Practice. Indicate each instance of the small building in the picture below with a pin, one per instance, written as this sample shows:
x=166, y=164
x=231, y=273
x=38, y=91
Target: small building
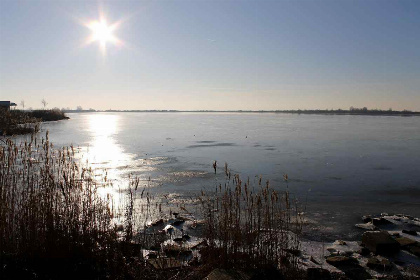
x=7, y=104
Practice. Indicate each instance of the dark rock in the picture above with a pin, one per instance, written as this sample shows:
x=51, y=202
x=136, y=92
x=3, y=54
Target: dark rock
x=173, y=250
x=379, y=264
x=152, y=255
x=367, y=219
x=364, y=251
x=410, y=232
x=185, y=253
x=339, y=260
x=312, y=259
x=268, y=272
x=349, y=266
x=165, y=263
x=157, y=223
x=186, y=237
x=356, y=272
x=404, y=241
x=399, y=262
x=222, y=274
x=177, y=251
x=294, y=252
x=332, y=251
x=179, y=239
x=200, y=245
x=178, y=222
x=395, y=234
x=130, y=249
x=346, y=253
x=414, y=249
x=316, y=273
x=380, y=242
x=381, y=222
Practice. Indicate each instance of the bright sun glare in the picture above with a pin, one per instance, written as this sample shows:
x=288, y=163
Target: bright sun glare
x=102, y=33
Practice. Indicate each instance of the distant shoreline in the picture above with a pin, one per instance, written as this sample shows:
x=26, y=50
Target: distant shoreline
x=404, y=113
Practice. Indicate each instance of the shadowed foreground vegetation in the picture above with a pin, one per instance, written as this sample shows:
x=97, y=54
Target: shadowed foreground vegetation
x=56, y=222
x=251, y=227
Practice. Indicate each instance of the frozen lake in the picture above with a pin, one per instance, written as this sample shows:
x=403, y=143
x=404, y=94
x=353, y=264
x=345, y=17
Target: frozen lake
x=340, y=167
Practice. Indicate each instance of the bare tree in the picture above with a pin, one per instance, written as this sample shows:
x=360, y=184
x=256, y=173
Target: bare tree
x=44, y=103
x=22, y=103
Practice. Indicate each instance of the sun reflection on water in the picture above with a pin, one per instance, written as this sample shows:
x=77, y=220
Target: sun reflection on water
x=103, y=150
x=113, y=168
x=106, y=157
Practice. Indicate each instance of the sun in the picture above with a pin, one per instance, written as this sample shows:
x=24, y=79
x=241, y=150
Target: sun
x=103, y=33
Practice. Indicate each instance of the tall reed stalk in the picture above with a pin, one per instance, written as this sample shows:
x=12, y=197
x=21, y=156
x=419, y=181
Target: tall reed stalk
x=51, y=211
x=251, y=226
x=56, y=223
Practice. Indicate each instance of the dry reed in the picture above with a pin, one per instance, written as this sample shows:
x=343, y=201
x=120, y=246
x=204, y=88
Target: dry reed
x=251, y=227
x=55, y=223
x=52, y=218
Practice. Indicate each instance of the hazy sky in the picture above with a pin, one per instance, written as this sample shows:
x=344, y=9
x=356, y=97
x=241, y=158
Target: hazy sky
x=190, y=55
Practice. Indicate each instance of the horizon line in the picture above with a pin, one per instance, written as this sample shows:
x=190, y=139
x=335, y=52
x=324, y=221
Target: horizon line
x=351, y=111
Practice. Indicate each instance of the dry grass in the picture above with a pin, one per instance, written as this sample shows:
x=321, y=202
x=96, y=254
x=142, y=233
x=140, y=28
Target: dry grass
x=251, y=227
x=52, y=218
x=54, y=223
x=16, y=122
x=47, y=115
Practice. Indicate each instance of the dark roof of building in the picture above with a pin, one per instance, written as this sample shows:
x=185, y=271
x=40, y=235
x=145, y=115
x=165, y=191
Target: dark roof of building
x=7, y=103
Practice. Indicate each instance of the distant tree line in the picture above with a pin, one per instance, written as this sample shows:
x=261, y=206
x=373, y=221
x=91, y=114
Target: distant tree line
x=351, y=111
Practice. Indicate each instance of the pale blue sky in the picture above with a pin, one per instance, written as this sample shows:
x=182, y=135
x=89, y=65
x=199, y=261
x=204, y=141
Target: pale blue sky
x=191, y=55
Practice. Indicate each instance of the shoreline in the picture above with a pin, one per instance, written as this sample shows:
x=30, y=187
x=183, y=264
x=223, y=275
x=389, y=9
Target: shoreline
x=298, y=112
x=18, y=122
x=238, y=231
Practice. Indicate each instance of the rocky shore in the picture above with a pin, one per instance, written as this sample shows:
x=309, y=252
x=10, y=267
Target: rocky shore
x=389, y=249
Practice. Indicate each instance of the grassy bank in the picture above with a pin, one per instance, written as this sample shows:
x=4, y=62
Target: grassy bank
x=48, y=115
x=56, y=223
x=16, y=122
